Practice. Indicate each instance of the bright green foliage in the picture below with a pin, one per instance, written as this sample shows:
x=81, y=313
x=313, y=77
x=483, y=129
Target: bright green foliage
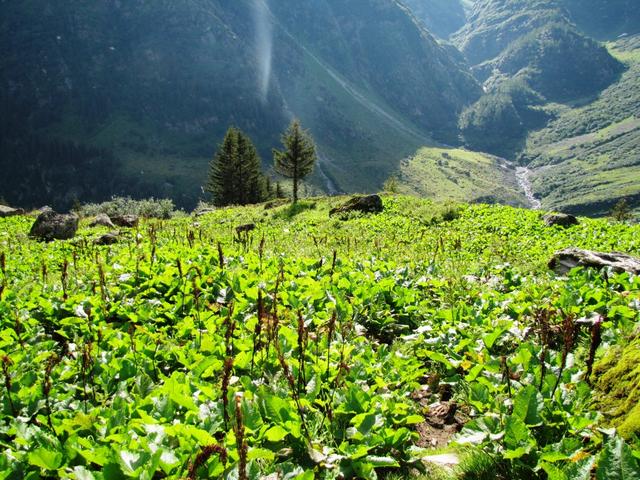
x=297, y=159
x=113, y=358
x=235, y=176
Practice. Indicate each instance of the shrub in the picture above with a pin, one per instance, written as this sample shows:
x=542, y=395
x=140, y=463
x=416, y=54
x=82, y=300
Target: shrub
x=149, y=208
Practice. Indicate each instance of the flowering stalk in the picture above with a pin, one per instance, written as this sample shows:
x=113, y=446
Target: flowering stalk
x=596, y=340
x=3, y=269
x=257, y=342
x=6, y=361
x=241, y=443
x=568, y=336
x=63, y=278
x=226, y=375
x=302, y=344
x=220, y=256
x=542, y=317
x=46, y=386
x=205, y=454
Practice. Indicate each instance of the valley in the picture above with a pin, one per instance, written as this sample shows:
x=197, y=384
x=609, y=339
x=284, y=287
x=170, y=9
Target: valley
x=548, y=85
x=320, y=239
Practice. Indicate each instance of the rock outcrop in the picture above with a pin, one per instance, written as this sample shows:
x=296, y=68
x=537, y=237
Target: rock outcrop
x=565, y=260
x=126, y=221
x=366, y=204
x=561, y=219
x=6, y=211
x=245, y=228
x=102, y=220
x=107, y=239
x=54, y=226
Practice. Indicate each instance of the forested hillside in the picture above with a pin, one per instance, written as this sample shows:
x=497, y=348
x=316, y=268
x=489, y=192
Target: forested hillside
x=112, y=98
x=151, y=88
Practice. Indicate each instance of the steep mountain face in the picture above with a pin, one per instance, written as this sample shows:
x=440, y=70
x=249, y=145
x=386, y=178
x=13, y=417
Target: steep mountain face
x=588, y=158
x=143, y=82
x=140, y=92
x=527, y=53
x=441, y=17
x=605, y=19
x=493, y=25
x=557, y=62
x=377, y=45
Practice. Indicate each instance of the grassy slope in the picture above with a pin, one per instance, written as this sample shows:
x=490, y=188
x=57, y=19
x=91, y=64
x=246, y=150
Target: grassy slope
x=587, y=158
x=458, y=174
x=405, y=266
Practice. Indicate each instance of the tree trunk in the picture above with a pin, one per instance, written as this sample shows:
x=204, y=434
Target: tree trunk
x=295, y=184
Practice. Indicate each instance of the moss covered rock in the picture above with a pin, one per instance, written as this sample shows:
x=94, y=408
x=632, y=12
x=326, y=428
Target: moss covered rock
x=616, y=379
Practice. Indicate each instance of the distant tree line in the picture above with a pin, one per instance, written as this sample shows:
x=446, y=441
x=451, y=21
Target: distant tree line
x=37, y=171
x=235, y=173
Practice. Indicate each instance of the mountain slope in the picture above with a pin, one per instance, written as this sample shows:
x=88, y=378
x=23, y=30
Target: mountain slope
x=527, y=54
x=605, y=19
x=588, y=158
x=441, y=17
x=141, y=93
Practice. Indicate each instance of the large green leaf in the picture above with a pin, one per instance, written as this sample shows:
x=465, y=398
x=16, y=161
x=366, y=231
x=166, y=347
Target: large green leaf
x=617, y=462
x=527, y=405
x=517, y=439
x=276, y=434
x=46, y=458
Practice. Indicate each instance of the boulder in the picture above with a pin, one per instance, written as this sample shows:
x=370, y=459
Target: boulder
x=561, y=219
x=102, y=220
x=6, y=211
x=565, y=260
x=127, y=221
x=366, y=204
x=107, y=239
x=245, y=228
x=278, y=202
x=203, y=210
x=54, y=226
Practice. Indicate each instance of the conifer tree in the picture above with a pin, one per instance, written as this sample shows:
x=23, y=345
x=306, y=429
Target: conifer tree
x=250, y=176
x=235, y=176
x=298, y=157
x=222, y=170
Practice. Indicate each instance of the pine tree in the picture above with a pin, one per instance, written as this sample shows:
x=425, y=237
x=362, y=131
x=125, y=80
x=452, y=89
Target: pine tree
x=222, y=170
x=298, y=157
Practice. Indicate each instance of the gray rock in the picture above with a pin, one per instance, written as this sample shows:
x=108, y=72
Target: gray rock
x=102, y=220
x=366, y=204
x=107, y=239
x=127, y=221
x=6, y=211
x=54, y=226
x=278, y=202
x=245, y=228
x=565, y=260
x=562, y=219
x=204, y=211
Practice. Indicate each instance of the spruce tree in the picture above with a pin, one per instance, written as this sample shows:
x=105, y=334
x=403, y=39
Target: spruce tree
x=298, y=157
x=235, y=175
x=250, y=176
x=222, y=170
